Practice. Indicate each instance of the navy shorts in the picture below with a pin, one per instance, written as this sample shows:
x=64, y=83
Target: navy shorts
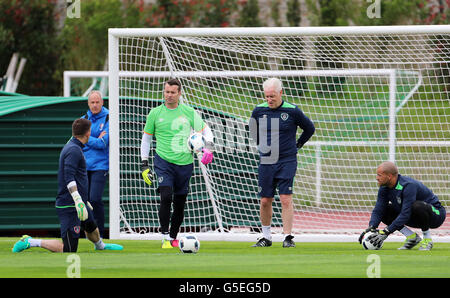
x=437, y=216
x=69, y=221
x=272, y=175
x=175, y=176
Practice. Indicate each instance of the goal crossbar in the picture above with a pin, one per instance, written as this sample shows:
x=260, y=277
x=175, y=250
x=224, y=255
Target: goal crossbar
x=277, y=31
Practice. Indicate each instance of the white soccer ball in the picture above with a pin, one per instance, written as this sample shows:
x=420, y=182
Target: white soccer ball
x=366, y=243
x=189, y=244
x=196, y=142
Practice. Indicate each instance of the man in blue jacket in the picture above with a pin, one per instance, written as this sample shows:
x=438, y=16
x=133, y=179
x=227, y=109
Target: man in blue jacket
x=403, y=201
x=96, y=153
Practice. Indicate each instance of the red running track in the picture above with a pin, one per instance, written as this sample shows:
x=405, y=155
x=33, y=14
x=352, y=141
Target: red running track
x=340, y=220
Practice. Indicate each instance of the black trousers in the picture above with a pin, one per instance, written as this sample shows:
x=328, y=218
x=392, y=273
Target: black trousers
x=174, y=220
x=423, y=216
x=97, y=182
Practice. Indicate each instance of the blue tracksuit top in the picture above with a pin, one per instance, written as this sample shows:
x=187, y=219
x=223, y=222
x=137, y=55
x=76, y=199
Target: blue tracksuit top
x=402, y=196
x=96, y=150
x=271, y=126
x=72, y=167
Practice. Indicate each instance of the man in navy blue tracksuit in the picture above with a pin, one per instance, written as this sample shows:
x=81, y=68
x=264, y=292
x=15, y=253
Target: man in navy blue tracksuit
x=273, y=125
x=96, y=152
x=403, y=201
x=72, y=207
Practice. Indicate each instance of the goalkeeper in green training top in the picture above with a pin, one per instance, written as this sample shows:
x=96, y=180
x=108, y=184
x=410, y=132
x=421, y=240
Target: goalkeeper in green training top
x=171, y=124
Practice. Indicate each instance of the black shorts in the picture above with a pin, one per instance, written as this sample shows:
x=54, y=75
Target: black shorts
x=436, y=215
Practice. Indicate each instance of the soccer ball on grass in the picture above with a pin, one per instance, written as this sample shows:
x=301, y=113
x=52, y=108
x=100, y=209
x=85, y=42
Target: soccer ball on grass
x=189, y=244
x=366, y=243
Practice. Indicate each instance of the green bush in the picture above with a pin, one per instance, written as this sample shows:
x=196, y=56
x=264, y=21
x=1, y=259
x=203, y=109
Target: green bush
x=394, y=12
x=249, y=14
x=29, y=27
x=84, y=40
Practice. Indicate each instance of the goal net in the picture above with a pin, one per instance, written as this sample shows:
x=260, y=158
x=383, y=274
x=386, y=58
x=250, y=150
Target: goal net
x=373, y=93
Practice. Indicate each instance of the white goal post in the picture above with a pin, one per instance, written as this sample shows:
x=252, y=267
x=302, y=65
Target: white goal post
x=374, y=94
x=96, y=80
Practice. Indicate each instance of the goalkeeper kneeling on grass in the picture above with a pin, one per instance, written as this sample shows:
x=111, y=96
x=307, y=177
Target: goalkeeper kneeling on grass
x=74, y=212
x=403, y=201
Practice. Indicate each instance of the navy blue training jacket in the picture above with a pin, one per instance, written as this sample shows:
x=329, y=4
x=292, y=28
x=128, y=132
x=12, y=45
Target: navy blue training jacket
x=402, y=196
x=280, y=126
x=72, y=167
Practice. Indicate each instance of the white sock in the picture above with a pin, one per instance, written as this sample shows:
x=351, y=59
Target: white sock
x=35, y=242
x=427, y=234
x=266, y=232
x=100, y=245
x=406, y=231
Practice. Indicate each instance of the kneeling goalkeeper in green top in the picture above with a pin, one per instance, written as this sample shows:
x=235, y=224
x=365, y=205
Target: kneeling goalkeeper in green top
x=171, y=124
x=403, y=201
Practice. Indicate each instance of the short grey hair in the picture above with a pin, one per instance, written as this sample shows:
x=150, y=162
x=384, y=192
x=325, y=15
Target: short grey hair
x=95, y=92
x=273, y=82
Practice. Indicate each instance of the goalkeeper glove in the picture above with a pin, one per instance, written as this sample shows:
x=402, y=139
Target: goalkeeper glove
x=207, y=156
x=146, y=174
x=378, y=239
x=369, y=229
x=82, y=212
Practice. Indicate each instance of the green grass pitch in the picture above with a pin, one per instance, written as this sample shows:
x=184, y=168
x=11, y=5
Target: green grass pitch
x=145, y=259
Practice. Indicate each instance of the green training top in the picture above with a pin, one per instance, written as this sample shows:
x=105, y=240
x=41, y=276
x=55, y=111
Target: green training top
x=171, y=128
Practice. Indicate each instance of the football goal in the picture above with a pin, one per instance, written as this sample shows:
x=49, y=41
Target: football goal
x=374, y=94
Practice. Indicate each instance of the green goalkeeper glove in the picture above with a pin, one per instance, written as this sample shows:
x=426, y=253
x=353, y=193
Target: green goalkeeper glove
x=82, y=212
x=146, y=174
